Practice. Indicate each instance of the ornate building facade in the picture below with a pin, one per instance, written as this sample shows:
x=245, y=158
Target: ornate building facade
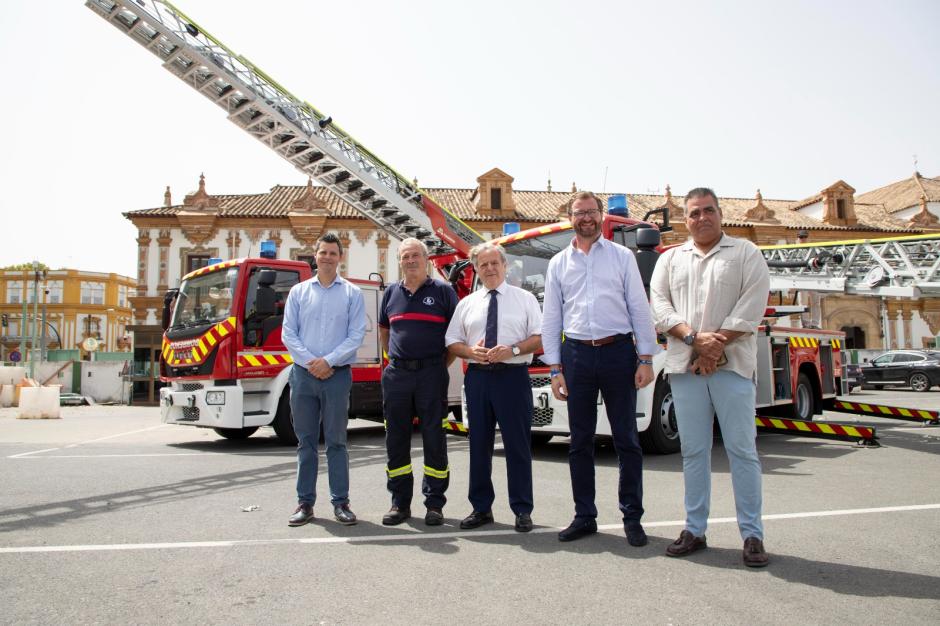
x=174, y=239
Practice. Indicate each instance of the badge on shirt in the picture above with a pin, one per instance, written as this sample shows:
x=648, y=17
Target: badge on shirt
x=429, y=301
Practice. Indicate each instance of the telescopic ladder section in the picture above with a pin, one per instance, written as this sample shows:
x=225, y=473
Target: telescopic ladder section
x=291, y=127
x=895, y=266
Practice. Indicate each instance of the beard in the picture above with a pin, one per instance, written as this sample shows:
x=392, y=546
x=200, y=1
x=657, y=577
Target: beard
x=588, y=229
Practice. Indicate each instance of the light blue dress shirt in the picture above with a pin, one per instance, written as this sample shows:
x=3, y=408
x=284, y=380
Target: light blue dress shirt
x=595, y=295
x=328, y=322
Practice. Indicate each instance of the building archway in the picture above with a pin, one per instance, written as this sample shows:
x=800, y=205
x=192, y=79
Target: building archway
x=862, y=329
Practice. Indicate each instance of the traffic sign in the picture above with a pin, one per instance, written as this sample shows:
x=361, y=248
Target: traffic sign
x=15, y=356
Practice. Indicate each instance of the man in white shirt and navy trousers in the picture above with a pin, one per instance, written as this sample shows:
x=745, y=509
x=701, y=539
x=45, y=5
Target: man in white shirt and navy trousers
x=496, y=329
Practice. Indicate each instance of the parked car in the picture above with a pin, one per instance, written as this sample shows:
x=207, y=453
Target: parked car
x=918, y=369
x=852, y=372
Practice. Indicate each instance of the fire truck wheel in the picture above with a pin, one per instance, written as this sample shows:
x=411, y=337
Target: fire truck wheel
x=920, y=382
x=283, y=423
x=236, y=434
x=802, y=406
x=662, y=436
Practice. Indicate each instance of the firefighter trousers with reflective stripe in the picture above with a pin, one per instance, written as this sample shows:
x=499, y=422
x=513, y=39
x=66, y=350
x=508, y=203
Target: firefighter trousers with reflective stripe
x=405, y=395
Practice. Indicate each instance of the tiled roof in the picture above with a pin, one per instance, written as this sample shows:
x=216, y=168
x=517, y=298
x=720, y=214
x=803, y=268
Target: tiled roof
x=536, y=206
x=903, y=194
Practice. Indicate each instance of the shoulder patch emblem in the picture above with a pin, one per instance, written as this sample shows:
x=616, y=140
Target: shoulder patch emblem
x=429, y=301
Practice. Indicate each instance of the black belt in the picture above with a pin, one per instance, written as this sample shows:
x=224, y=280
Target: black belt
x=603, y=341
x=491, y=367
x=340, y=367
x=416, y=364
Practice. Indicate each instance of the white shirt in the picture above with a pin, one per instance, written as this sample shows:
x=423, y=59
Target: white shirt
x=595, y=295
x=518, y=318
x=725, y=288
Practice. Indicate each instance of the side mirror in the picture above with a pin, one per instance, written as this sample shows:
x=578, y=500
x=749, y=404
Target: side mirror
x=168, y=299
x=648, y=238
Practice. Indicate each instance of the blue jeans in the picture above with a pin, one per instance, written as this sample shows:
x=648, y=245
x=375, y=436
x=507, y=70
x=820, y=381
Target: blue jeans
x=731, y=397
x=311, y=400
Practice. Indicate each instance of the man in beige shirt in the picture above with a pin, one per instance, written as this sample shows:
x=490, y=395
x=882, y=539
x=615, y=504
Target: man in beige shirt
x=709, y=295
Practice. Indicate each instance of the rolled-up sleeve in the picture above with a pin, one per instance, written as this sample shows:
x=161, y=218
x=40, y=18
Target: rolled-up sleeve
x=551, y=314
x=665, y=315
x=748, y=312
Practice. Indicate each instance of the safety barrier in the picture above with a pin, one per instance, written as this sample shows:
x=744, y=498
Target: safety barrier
x=863, y=435
x=927, y=416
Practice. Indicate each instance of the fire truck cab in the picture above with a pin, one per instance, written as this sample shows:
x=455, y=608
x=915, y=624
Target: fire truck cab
x=223, y=359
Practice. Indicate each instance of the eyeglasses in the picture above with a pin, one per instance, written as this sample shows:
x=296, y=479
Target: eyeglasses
x=587, y=213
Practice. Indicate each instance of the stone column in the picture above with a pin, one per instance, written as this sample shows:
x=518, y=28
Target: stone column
x=345, y=239
x=892, y=313
x=143, y=260
x=164, y=241
x=381, y=242
x=906, y=315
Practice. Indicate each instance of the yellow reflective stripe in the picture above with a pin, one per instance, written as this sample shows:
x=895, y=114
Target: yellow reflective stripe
x=398, y=471
x=434, y=473
x=211, y=339
x=252, y=360
x=271, y=359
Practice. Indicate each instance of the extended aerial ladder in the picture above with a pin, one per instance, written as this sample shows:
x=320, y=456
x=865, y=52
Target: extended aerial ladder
x=907, y=267
x=293, y=128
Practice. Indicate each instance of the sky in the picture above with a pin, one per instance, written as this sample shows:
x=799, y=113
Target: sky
x=614, y=96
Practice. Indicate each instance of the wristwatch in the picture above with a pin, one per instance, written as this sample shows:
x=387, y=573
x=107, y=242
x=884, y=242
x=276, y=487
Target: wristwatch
x=516, y=351
x=689, y=339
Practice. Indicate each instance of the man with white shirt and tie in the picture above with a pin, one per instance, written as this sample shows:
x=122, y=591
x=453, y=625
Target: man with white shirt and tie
x=496, y=329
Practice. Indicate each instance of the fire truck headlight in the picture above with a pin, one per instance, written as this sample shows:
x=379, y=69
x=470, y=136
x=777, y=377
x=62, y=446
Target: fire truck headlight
x=215, y=397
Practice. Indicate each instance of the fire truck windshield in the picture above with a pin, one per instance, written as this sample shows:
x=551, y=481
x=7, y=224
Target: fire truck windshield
x=204, y=299
x=528, y=260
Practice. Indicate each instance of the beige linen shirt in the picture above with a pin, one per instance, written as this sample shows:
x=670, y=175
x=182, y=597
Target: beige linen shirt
x=725, y=288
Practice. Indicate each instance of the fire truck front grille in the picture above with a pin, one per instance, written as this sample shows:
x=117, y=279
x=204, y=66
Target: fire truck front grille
x=190, y=413
x=542, y=417
x=540, y=381
x=190, y=386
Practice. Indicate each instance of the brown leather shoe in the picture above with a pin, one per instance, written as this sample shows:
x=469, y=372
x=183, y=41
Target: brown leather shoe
x=686, y=544
x=754, y=553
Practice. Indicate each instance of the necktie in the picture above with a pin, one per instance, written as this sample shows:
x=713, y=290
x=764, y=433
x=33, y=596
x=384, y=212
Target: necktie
x=491, y=314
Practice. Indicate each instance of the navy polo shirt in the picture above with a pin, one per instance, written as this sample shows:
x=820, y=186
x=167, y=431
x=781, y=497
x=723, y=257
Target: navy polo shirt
x=417, y=321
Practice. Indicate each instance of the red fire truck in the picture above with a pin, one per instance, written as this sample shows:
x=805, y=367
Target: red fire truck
x=223, y=359
x=217, y=350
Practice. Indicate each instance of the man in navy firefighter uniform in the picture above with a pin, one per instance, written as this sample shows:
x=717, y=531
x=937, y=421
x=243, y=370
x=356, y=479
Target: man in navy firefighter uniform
x=414, y=316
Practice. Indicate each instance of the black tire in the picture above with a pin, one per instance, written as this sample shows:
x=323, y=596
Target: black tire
x=541, y=439
x=662, y=436
x=283, y=422
x=802, y=407
x=919, y=382
x=236, y=434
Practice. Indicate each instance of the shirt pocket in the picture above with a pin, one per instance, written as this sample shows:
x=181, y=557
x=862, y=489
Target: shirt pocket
x=679, y=276
x=728, y=275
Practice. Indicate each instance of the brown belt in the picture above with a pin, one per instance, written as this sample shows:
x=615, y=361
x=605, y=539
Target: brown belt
x=603, y=341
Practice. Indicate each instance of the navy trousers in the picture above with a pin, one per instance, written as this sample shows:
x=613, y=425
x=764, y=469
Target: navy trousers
x=501, y=397
x=406, y=394
x=610, y=370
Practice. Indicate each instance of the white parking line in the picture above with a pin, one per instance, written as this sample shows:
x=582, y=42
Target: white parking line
x=75, y=445
x=284, y=452
x=419, y=535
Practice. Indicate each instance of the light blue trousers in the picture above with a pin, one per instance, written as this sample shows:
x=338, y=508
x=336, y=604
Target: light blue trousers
x=731, y=397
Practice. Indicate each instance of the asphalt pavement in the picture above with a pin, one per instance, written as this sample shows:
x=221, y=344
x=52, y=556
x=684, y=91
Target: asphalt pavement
x=109, y=516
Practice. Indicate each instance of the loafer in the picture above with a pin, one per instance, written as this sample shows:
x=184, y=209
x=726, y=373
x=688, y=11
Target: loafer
x=302, y=514
x=636, y=536
x=476, y=519
x=343, y=515
x=580, y=527
x=434, y=517
x=686, y=544
x=523, y=523
x=396, y=515
x=754, y=554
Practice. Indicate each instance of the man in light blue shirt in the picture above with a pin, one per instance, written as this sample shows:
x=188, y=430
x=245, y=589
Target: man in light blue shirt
x=594, y=295
x=324, y=325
